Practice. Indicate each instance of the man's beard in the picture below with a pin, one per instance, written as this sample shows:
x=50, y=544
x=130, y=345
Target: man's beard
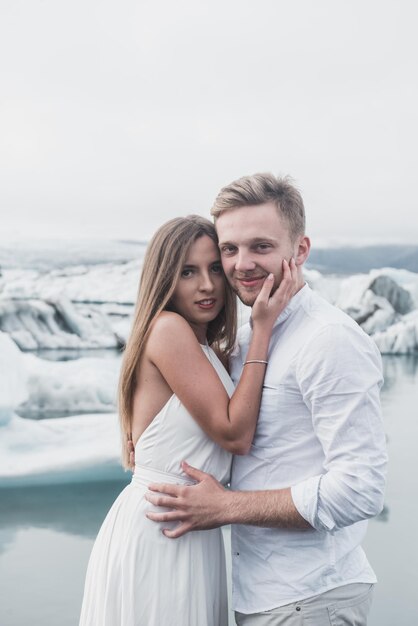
x=246, y=299
x=249, y=298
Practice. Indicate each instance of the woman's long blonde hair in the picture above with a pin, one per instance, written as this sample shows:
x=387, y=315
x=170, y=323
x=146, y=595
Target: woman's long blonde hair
x=163, y=263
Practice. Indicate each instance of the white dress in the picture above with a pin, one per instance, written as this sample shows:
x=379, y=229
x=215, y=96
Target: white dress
x=138, y=577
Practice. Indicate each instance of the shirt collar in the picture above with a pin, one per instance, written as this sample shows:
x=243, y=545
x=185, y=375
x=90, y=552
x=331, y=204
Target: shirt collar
x=294, y=304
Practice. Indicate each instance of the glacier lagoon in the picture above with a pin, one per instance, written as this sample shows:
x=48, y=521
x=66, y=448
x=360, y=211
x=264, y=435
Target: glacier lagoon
x=59, y=439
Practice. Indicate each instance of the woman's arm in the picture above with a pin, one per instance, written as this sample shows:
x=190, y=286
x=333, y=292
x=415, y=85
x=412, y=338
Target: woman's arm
x=173, y=348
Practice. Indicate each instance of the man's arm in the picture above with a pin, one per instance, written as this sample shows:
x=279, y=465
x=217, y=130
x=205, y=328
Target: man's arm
x=209, y=505
x=339, y=375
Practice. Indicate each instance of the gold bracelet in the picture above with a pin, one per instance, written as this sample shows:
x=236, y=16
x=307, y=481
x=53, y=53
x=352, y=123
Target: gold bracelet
x=255, y=361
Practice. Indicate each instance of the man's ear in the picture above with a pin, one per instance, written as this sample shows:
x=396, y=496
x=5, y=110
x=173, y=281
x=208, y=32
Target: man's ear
x=303, y=246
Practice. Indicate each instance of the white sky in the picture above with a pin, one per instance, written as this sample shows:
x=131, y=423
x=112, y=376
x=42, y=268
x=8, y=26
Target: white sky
x=116, y=115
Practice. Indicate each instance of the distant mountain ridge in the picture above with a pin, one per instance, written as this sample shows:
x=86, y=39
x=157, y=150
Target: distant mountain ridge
x=45, y=255
x=352, y=260
x=343, y=259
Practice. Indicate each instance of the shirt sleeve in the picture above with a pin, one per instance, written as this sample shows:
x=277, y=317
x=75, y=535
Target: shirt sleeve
x=340, y=375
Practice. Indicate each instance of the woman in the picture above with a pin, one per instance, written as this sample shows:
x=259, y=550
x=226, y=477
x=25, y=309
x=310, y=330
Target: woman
x=177, y=400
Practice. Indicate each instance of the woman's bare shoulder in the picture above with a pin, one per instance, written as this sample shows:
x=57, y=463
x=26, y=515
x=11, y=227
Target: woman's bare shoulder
x=170, y=327
x=169, y=321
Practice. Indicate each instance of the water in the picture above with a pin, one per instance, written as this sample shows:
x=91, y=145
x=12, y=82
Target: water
x=46, y=533
x=391, y=543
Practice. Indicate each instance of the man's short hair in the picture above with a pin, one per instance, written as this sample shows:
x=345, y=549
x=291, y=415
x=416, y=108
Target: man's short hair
x=262, y=188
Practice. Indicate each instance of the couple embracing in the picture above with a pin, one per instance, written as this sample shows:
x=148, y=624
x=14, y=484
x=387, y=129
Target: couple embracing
x=295, y=399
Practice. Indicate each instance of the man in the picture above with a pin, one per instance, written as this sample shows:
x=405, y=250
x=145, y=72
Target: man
x=300, y=499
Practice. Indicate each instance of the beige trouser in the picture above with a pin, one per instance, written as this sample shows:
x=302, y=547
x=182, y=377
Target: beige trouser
x=344, y=606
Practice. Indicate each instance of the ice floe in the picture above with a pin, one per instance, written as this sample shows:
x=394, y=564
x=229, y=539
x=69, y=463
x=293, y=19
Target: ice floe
x=60, y=388
x=13, y=378
x=75, y=307
x=80, y=447
x=384, y=303
x=71, y=449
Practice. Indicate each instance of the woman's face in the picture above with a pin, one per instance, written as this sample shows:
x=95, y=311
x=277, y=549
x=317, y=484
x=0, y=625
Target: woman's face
x=200, y=293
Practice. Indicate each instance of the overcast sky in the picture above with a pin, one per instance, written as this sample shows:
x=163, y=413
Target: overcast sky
x=117, y=115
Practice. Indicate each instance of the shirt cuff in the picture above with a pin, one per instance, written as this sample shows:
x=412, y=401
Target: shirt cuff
x=305, y=496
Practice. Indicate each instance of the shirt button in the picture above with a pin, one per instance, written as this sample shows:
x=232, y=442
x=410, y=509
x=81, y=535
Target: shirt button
x=298, y=608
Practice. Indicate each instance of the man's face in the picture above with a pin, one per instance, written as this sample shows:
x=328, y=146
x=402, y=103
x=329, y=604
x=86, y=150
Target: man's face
x=253, y=242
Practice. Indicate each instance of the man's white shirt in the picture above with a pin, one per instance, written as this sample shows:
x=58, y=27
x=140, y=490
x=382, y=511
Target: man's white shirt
x=319, y=432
